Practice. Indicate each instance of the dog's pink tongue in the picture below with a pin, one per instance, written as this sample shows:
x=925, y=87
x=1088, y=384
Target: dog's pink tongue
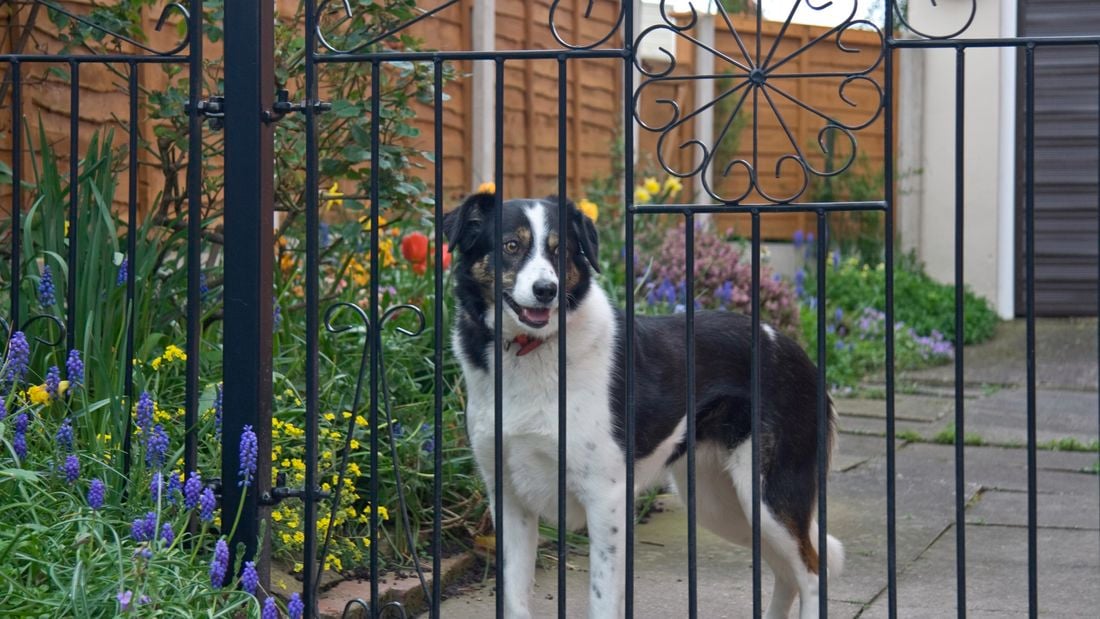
x=536, y=315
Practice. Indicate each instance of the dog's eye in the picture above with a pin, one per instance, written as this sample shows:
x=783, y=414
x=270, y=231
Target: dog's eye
x=511, y=247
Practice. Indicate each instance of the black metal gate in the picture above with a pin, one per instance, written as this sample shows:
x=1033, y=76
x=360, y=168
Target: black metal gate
x=248, y=110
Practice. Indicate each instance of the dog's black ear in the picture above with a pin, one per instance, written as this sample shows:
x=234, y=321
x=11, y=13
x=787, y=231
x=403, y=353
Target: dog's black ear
x=585, y=229
x=463, y=225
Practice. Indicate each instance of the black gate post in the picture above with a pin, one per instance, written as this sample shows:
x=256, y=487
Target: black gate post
x=249, y=181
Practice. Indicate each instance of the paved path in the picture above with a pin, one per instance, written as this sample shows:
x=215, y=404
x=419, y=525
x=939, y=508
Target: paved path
x=996, y=493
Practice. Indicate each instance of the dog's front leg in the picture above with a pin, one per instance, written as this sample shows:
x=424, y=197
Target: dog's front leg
x=519, y=535
x=606, y=509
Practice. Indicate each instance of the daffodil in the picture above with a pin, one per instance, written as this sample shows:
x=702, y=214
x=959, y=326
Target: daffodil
x=642, y=196
x=38, y=394
x=334, y=194
x=673, y=186
x=589, y=208
x=651, y=185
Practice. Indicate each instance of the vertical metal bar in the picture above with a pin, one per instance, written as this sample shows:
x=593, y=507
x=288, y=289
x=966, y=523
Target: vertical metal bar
x=563, y=306
x=755, y=410
x=1029, y=261
x=249, y=179
x=960, y=427
x=16, y=188
x=376, y=328
x=888, y=185
x=1098, y=240
x=628, y=205
x=310, y=573
x=689, y=352
x=498, y=319
x=437, y=325
x=194, y=241
x=130, y=308
x=823, y=428
x=74, y=196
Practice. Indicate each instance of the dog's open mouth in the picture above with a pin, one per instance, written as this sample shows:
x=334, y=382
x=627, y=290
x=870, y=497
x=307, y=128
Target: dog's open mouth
x=536, y=317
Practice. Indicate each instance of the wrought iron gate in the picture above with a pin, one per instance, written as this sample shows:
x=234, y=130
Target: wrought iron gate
x=248, y=110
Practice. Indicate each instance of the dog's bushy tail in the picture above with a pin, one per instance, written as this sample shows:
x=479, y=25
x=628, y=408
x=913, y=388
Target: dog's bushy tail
x=835, y=556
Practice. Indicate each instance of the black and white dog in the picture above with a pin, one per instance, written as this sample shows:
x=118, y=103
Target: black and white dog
x=596, y=462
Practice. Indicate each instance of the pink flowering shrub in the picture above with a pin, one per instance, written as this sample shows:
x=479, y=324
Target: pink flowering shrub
x=723, y=279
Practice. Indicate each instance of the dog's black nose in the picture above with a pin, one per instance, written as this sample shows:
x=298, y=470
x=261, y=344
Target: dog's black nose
x=545, y=290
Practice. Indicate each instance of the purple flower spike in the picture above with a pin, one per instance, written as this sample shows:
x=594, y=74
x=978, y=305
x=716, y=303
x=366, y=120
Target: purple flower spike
x=175, y=487
x=250, y=580
x=19, y=438
x=123, y=271
x=207, y=503
x=46, y=291
x=295, y=607
x=64, y=435
x=143, y=529
x=219, y=564
x=218, y=409
x=3, y=410
x=74, y=366
x=96, y=493
x=156, y=449
x=167, y=535
x=19, y=357
x=145, y=411
x=192, y=489
x=71, y=468
x=124, y=598
x=271, y=611
x=53, y=381
x=248, y=451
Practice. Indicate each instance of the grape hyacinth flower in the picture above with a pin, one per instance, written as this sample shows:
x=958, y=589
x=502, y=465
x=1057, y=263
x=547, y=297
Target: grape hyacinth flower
x=46, y=290
x=53, y=381
x=192, y=490
x=123, y=272
x=249, y=578
x=203, y=288
x=143, y=529
x=156, y=447
x=248, y=452
x=96, y=493
x=295, y=607
x=271, y=611
x=219, y=564
x=71, y=468
x=3, y=410
x=218, y=409
x=156, y=486
x=798, y=239
x=175, y=486
x=64, y=436
x=19, y=357
x=167, y=535
x=207, y=503
x=19, y=440
x=145, y=411
x=74, y=368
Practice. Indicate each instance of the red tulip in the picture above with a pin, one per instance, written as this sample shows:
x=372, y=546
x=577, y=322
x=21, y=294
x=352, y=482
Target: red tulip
x=446, y=256
x=414, y=247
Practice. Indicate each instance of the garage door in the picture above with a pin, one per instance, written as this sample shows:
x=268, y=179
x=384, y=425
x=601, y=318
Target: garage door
x=1066, y=159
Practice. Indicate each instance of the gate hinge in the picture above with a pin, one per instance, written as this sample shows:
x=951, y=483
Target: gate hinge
x=284, y=106
x=212, y=108
x=281, y=491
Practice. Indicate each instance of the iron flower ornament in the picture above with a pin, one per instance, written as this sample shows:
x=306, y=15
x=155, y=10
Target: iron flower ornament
x=759, y=79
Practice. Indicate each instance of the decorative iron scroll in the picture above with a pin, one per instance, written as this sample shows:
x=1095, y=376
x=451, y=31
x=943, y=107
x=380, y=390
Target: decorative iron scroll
x=164, y=13
x=604, y=38
x=759, y=77
x=49, y=318
x=903, y=20
x=348, y=16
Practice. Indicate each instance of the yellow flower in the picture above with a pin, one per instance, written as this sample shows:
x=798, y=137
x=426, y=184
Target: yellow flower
x=354, y=444
x=299, y=537
x=651, y=185
x=361, y=421
x=673, y=185
x=353, y=469
x=38, y=394
x=330, y=417
x=334, y=194
x=488, y=187
x=589, y=208
x=174, y=353
x=642, y=196
x=298, y=567
x=62, y=387
x=277, y=516
x=156, y=363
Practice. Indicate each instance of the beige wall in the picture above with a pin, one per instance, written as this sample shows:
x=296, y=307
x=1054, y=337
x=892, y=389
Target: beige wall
x=926, y=147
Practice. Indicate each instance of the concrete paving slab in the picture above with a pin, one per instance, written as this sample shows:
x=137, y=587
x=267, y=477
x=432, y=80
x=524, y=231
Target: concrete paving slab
x=1065, y=356
x=1002, y=417
x=996, y=577
x=998, y=467
x=907, y=408
x=876, y=426
x=1061, y=509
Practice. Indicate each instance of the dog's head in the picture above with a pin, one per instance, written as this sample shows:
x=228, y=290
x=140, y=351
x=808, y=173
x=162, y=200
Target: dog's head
x=530, y=244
